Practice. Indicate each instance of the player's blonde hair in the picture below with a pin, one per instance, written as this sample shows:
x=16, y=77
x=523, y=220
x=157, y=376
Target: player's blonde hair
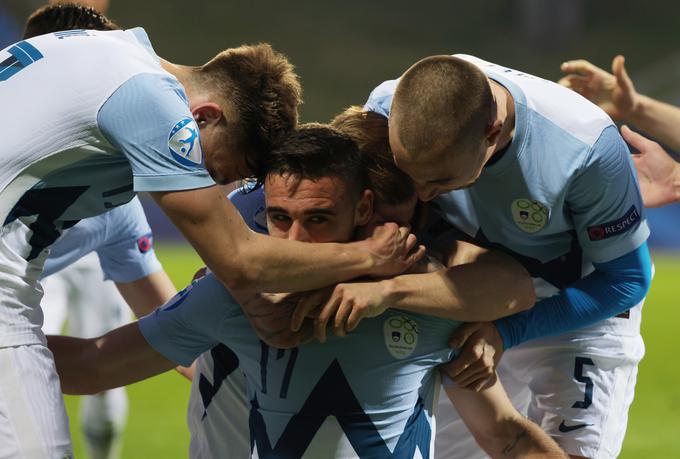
x=390, y=184
x=263, y=89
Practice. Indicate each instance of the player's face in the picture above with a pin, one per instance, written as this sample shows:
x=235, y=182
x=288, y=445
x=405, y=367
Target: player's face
x=401, y=214
x=440, y=172
x=323, y=210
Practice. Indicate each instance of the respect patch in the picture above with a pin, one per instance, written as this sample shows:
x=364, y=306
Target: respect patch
x=609, y=229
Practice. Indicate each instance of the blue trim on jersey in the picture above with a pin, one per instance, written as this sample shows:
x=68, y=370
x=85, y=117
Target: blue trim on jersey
x=613, y=288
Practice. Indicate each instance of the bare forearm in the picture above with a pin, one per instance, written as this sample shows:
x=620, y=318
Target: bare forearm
x=471, y=292
x=121, y=357
x=245, y=260
x=657, y=119
x=498, y=427
x=146, y=294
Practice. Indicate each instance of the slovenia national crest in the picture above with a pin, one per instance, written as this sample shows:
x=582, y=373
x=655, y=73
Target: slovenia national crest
x=185, y=144
x=529, y=215
x=401, y=336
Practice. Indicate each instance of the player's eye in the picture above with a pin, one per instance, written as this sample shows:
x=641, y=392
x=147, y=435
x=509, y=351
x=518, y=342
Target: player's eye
x=318, y=219
x=281, y=218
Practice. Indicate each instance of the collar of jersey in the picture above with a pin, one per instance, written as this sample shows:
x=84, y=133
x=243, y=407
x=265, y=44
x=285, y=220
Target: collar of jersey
x=516, y=147
x=143, y=39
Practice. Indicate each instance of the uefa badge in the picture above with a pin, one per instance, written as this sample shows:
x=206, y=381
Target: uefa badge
x=529, y=215
x=184, y=143
x=401, y=336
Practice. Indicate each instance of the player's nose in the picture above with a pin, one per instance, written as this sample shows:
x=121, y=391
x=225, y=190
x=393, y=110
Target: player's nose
x=297, y=232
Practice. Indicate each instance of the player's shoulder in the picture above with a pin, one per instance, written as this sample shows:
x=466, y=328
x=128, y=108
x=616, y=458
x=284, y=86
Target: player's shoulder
x=250, y=202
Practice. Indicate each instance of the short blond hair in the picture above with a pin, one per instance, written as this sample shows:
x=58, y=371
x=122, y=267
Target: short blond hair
x=442, y=102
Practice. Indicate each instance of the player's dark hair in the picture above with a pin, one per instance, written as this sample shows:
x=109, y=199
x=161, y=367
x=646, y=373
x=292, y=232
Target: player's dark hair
x=442, y=102
x=315, y=151
x=65, y=16
x=369, y=130
x=263, y=89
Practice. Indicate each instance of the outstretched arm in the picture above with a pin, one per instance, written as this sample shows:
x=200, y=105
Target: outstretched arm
x=121, y=357
x=497, y=426
x=615, y=93
x=245, y=260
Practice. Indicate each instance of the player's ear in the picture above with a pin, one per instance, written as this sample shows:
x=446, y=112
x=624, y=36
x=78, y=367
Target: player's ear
x=206, y=114
x=493, y=131
x=364, y=209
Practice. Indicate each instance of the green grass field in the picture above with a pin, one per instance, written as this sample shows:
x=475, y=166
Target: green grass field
x=157, y=426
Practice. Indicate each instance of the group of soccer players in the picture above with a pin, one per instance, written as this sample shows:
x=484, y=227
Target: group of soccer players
x=522, y=191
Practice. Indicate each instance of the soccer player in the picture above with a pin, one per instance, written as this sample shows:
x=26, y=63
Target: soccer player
x=78, y=281
x=97, y=116
x=615, y=93
x=520, y=163
x=368, y=395
x=218, y=405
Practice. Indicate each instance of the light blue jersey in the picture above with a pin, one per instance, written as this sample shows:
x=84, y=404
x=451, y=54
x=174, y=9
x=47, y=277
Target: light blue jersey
x=121, y=238
x=562, y=196
x=106, y=121
x=368, y=395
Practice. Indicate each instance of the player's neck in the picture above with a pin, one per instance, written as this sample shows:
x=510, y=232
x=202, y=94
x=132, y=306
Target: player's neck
x=505, y=112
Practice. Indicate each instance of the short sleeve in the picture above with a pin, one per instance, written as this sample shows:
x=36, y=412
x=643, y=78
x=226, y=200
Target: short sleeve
x=380, y=99
x=192, y=322
x=149, y=120
x=605, y=203
x=251, y=205
x=128, y=255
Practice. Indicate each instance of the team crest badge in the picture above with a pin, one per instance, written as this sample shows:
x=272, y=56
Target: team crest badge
x=185, y=144
x=530, y=216
x=401, y=336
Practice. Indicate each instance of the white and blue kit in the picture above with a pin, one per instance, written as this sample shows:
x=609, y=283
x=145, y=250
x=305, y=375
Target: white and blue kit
x=93, y=118
x=563, y=199
x=323, y=401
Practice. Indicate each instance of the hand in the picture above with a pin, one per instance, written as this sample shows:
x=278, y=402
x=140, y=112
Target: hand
x=657, y=171
x=390, y=248
x=347, y=305
x=615, y=94
x=270, y=316
x=480, y=348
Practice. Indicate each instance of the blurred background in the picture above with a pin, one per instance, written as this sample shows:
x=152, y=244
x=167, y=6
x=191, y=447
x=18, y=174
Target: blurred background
x=343, y=49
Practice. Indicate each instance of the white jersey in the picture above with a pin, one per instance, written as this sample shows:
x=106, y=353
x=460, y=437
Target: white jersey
x=105, y=121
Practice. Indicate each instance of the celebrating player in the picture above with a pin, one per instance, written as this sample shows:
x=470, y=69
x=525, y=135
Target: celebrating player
x=520, y=163
x=368, y=395
x=109, y=118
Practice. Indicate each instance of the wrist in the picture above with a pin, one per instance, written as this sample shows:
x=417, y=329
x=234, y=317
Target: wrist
x=675, y=182
x=389, y=291
x=639, y=110
x=364, y=261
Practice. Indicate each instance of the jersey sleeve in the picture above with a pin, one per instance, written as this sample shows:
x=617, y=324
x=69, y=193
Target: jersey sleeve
x=380, y=99
x=128, y=253
x=192, y=322
x=148, y=119
x=251, y=205
x=605, y=203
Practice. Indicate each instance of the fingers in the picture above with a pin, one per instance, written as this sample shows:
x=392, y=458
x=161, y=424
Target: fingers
x=415, y=256
x=321, y=322
x=342, y=316
x=635, y=140
x=461, y=335
x=302, y=310
x=411, y=239
x=622, y=78
x=579, y=66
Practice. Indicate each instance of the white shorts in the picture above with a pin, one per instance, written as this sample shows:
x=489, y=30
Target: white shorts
x=218, y=409
x=577, y=386
x=33, y=421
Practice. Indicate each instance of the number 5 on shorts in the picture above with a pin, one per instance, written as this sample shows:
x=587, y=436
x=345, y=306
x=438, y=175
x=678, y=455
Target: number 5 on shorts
x=578, y=375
